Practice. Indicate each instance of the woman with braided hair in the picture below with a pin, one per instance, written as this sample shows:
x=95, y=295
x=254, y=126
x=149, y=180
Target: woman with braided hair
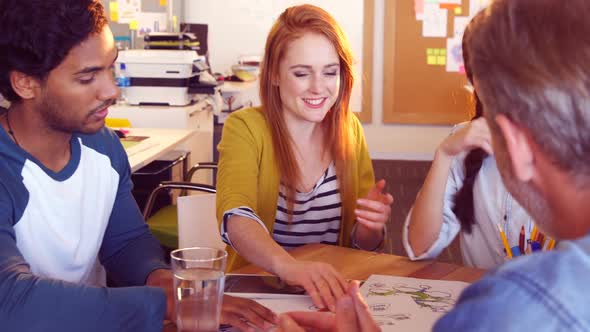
x=464, y=191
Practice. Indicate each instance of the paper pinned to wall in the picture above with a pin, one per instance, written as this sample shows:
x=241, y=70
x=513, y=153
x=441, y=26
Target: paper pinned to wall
x=419, y=9
x=152, y=22
x=133, y=25
x=454, y=54
x=434, y=23
x=459, y=25
x=129, y=10
x=409, y=304
x=114, y=11
x=436, y=56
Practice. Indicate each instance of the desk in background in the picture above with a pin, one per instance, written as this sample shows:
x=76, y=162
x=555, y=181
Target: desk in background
x=159, y=143
x=195, y=117
x=237, y=95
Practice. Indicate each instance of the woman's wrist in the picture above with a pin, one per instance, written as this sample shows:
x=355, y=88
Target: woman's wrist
x=281, y=262
x=441, y=153
x=367, y=235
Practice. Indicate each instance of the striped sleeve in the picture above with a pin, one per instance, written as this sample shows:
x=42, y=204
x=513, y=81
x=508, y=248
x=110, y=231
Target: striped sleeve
x=242, y=211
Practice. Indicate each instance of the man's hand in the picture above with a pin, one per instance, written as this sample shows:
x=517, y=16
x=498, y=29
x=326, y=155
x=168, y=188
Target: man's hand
x=242, y=313
x=163, y=278
x=352, y=315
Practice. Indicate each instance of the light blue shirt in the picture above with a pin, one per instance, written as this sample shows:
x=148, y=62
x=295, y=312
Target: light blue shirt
x=541, y=292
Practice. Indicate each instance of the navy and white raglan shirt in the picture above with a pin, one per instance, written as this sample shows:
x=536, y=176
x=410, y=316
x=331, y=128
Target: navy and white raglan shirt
x=55, y=227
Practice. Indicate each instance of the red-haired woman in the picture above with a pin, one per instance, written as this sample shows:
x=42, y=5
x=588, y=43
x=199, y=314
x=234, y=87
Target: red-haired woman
x=297, y=169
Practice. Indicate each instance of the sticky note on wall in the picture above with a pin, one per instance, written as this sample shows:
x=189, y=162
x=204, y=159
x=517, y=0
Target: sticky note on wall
x=436, y=56
x=134, y=25
x=114, y=11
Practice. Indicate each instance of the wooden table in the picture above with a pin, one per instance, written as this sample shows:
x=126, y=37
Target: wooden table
x=359, y=264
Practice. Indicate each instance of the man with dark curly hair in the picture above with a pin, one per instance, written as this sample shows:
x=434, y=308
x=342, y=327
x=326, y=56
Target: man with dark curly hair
x=66, y=209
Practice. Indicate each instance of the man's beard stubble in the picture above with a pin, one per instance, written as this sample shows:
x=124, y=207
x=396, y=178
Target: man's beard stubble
x=527, y=195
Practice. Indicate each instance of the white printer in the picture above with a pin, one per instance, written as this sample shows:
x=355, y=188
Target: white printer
x=161, y=77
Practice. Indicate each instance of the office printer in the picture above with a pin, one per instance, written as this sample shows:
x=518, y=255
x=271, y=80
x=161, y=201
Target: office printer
x=164, y=77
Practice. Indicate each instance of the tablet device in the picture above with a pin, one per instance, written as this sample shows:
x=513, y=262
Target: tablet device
x=259, y=284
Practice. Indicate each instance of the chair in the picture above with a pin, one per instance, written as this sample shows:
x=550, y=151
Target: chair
x=165, y=225
x=197, y=222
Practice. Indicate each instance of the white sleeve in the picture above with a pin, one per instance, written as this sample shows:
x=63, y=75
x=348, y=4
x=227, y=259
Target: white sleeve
x=450, y=226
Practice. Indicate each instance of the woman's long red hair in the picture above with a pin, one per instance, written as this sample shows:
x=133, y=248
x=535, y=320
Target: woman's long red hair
x=337, y=125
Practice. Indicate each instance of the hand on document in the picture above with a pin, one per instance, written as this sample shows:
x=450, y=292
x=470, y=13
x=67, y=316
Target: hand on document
x=320, y=280
x=246, y=314
x=352, y=315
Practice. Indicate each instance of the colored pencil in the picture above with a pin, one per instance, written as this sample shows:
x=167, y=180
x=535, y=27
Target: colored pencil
x=505, y=241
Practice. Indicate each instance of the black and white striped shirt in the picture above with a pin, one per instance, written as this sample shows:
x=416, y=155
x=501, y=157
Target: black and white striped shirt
x=317, y=215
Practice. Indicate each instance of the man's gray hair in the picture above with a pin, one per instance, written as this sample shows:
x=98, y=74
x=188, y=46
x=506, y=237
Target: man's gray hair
x=531, y=62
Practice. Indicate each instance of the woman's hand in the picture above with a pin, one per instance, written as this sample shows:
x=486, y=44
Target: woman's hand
x=320, y=280
x=474, y=135
x=375, y=209
x=245, y=313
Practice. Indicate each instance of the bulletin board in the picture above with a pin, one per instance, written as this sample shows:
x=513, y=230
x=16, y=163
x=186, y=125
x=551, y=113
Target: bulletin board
x=417, y=86
x=366, y=112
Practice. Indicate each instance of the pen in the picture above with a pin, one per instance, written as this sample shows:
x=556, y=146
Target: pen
x=534, y=233
x=505, y=241
x=521, y=241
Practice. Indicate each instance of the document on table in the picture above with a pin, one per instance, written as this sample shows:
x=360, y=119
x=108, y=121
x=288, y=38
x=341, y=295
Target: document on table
x=280, y=303
x=396, y=303
x=409, y=304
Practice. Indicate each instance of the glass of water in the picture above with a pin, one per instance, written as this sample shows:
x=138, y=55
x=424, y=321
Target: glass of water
x=198, y=285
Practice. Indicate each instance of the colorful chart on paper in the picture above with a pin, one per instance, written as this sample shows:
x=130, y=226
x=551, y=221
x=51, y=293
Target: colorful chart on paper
x=409, y=304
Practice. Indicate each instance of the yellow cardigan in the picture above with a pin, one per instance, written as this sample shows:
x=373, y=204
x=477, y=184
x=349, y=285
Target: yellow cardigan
x=248, y=174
